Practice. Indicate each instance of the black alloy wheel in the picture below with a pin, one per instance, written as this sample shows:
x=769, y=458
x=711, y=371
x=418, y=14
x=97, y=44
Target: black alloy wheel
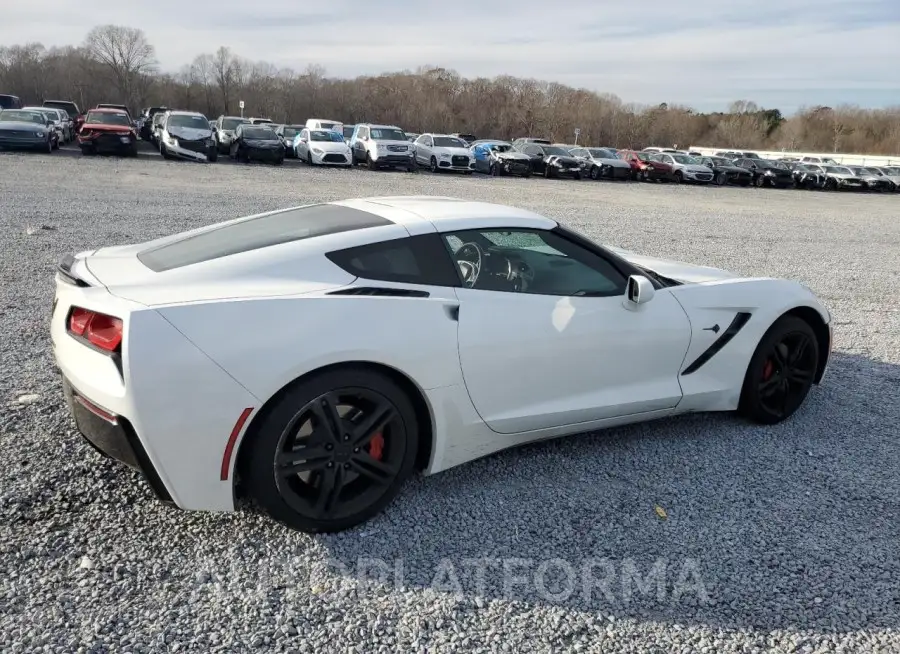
x=595, y=172
x=339, y=458
x=781, y=371
x=721, y=179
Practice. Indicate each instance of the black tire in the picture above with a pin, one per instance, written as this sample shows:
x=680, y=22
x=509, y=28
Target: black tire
x=781, y=372
x=548, y=172
x=87, y=151
x=595, y=172
x=678, y=177
x=279, y=161
x=745, y=183
x=309, y=161
x=493, y=170
x=371, y=165
x=133, y=150
x=526, y=175
x=760, y=181
x=290, y=498
x=432, y=165
x=577, y=176
x=212, y=156
x=164, y=151
x=644, y=176
x=721, y=179
x=414, y=168
x=50, y=146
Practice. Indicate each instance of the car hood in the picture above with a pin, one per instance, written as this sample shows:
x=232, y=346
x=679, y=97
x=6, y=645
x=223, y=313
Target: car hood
x=693, y=168
x=259, y=143
x=677, y=270
x=566, y=160
x=454, y=152
x=189, y=133
x=615, y=163
x=514, y=156
x=18, y=126
x=329, y=146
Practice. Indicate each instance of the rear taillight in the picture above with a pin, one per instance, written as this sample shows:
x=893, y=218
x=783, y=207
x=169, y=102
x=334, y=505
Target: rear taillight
x=98, y=329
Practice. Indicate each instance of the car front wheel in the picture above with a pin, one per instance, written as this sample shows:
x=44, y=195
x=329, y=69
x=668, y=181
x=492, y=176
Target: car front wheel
x=333, y=450
x=781, y=371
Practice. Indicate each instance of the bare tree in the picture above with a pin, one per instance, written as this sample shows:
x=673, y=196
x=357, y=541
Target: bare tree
x=126, y=55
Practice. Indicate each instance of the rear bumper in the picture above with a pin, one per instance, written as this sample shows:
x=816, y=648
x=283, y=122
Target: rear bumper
x=113, y=437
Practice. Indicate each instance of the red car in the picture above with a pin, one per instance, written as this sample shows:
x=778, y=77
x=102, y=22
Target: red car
x=108, y=131
x=646, y=169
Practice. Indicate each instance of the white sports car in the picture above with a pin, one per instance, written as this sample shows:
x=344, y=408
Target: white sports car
x=311, y=359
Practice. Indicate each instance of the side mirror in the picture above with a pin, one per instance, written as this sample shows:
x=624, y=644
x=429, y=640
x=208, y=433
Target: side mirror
x=640, y=290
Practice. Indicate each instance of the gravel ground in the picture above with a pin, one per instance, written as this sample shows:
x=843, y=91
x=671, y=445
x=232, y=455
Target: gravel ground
x=701, y=534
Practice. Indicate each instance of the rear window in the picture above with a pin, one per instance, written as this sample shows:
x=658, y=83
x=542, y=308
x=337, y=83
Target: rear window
x=257, y=233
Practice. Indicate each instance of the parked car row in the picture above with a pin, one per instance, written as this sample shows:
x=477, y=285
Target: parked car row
x=109, y=128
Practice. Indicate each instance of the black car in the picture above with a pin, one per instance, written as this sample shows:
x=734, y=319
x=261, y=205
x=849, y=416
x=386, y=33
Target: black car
x=287, y=133
x=767, y=173
x=257, y=143
x=146, y=121
x=807, y=176
x=726, y=172
x=551, y=161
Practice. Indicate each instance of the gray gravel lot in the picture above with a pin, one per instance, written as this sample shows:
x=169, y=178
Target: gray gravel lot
x=780, y=539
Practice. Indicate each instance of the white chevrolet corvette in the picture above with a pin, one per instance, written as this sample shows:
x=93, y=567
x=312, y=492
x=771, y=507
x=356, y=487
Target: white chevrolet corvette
x=311, y=359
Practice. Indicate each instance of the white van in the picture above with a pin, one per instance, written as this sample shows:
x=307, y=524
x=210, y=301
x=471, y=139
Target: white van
x=322, y=123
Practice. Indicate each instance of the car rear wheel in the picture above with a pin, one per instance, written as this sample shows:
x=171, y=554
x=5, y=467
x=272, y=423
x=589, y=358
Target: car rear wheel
x=721, y=179
x=333, y=451
x=781, y=371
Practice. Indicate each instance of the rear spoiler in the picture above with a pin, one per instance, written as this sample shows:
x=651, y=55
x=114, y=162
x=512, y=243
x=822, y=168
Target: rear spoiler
x=64, y=268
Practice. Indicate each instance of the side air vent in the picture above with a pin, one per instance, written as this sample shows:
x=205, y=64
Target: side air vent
x=736, y=325
x=381, y=292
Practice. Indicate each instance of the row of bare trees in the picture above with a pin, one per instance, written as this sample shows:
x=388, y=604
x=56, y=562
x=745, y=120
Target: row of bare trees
x=118, y=64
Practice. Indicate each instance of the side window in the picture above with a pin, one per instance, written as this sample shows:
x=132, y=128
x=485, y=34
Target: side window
x=538, y=262
x=429, y=142
x=304, y=134
x=412, y=260
x=578, y=152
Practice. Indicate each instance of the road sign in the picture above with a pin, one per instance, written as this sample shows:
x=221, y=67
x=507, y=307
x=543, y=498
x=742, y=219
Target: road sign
x=577, y=132
x=241, y=104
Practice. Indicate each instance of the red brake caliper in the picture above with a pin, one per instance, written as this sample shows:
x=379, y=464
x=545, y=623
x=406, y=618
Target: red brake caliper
x=376, y=446
x=767, y=370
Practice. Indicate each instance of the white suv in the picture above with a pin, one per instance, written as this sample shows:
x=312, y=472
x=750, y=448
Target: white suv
x=382, y=146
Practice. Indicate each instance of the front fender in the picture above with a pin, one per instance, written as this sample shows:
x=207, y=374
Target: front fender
x=711, y=307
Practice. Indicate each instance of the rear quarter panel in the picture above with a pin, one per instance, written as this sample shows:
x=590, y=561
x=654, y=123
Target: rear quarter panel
x=267, y=343
x=716, y=386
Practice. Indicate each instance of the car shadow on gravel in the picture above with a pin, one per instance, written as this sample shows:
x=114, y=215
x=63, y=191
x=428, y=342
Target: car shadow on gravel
x=700, y=519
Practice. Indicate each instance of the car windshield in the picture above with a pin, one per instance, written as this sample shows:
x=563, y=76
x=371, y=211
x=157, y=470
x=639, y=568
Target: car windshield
x=328, y=125
x=182, y=120
x=387, y=134
x=348, y=131
x=891, y=170
x=720, y=161
x=326, y=135
x=448, y=142
x=683, y=159
x=643, y=156
x=107, y=118
x=751, y=155
x=869, y=171
x=500, y=147
x=231, y=123
x=290, y=132
x=22, y=116
x=550, y=150
x=840, y=170
x=7, y=101
x=602, y=153
x=259, y=133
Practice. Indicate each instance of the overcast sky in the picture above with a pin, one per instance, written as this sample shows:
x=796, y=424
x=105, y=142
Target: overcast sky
x=705, y=53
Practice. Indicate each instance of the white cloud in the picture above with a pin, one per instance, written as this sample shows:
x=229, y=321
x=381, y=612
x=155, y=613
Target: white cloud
x=703, y=53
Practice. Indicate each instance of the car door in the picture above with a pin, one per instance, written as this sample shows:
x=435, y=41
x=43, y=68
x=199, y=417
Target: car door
x=566, y=347
x=422, y=151
x=359, y=145
x=303, y=144
x=537, y=158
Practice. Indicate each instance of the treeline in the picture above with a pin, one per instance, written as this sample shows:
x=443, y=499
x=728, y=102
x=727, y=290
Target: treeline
x=118, y=64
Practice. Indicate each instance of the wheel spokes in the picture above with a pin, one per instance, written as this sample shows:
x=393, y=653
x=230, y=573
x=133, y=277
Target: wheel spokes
x=377, y=471
x=373, y=424
x=303, y=459
x=797, y=354
x=327, y=417
x=769, y=387
x=331, y=481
